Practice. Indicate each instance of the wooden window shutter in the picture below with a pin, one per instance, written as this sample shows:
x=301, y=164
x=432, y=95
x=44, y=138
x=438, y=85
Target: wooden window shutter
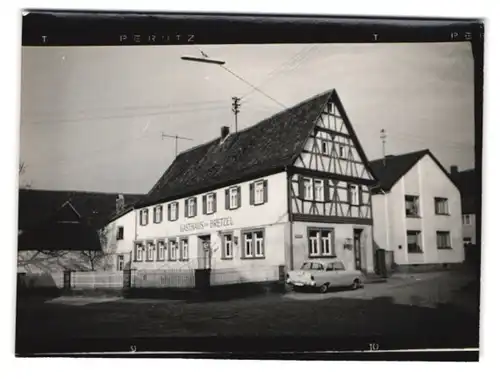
x=140, y=217
x=265, y=191
x=186, y=208
x=252, y=193
x=239, y=196
x=146, y=216
x=204, y=205
x=326, y=188
x=301, y=187
x=360, y=195
x=227, y=198
x=195, y=206
x=349, y=194
x=169, y=209
x=215, y=202
x=176, y=210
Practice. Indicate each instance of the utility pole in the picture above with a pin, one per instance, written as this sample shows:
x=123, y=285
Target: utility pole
x=177, y=138
x=383, y=136
x=236, y=110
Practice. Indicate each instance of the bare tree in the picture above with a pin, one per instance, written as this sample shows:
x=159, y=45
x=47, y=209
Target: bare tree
x=22, y=171
x=96, y=258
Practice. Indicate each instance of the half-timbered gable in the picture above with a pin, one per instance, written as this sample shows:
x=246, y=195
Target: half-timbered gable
x=331, y=176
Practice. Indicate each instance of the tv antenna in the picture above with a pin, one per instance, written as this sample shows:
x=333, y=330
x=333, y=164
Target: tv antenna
x=177, y=138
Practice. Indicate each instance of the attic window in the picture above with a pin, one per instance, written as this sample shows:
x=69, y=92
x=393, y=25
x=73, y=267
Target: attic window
x=324, y=147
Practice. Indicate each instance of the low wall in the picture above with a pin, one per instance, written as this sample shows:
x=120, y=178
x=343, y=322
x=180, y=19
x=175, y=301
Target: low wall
x=163, y=279
x=97, y=279
x=256, y=274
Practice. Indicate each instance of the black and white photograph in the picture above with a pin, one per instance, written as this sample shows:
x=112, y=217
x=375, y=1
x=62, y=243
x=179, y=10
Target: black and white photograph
x=309, y=196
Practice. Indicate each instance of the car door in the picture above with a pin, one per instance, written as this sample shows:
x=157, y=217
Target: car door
x=332, y=275
x=343, y=277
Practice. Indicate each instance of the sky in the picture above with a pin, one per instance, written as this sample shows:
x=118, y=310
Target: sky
x=92, y=118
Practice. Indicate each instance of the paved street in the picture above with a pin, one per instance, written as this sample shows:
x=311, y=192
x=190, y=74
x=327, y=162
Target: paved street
x=424, y=304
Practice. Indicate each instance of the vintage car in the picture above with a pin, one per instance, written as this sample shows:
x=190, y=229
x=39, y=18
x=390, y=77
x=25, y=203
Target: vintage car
x=323, y=275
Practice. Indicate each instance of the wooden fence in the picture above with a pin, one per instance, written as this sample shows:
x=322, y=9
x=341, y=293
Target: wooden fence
x=97, y=279
x=182, y=278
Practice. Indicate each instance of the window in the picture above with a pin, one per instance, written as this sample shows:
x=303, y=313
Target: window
x=411, y=205
x=320, y=242
x=184, y=249
x=119, y=233
x=308, y=189
x=467, y=241
x=413, y=241
x=144, y=216
x=258, y=192
x=161, y=251
x=173, y=211
x=253, y=245
x=319, y=190
x=209, y=203
x=190, y=207
x=443, y=240
x=120, y=264
x=338, y=266
x=172, y=250
x=330, y=108
x=158, y=214
x=150, y=251
x=467, y=219
x=227, y=246
x=441, y=206
x=353, y=194
x=341, y=151
x=233, y=198
x=138, y=252
x=324, y=147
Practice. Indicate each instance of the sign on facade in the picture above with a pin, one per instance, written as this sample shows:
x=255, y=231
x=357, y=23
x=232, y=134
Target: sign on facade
x=215, y=223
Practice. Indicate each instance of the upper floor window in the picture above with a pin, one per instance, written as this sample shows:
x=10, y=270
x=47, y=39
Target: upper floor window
x=158, y=214
x=467, y=219
x=144, y=216
x=320, y=242
x=443, y=240
x=190, y=207
x=308, y=189
x=354, y=194
x=411, y=206
x=414, y=241
x=341, y=150
x=233, y=198
x=324, y=147
x=319, y=190
x=173, y=211
x=441, y=206
x=209, y=203
x=119, y=233
x=258, y=192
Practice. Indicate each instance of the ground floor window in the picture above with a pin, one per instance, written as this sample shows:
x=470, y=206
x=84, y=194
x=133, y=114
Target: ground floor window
x=184, y=249
x=320, y=243
x=414, y=243
x=227, y=246
x=172, y=250
x=443, y=240
x=161, y=251
x=120, y=265
x=138, y=252
x=253, y=244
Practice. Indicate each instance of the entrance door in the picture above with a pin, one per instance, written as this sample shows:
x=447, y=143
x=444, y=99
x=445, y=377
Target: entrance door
x=205, y=252
x=357, y=248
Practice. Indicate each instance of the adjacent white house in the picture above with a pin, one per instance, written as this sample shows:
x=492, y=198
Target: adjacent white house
x=295, y=186
x=417, y=210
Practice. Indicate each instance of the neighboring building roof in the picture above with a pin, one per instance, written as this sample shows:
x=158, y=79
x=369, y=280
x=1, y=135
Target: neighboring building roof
x=396, y=166
x=467, y=182
x=95, y=208
x=265, y=148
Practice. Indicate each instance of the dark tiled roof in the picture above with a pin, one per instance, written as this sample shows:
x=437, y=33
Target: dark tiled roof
x=467, y=182
x=95, y=208
x=267, y=147
x=395, y=167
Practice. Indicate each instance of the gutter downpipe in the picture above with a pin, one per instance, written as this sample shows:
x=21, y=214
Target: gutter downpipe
x=290, y=222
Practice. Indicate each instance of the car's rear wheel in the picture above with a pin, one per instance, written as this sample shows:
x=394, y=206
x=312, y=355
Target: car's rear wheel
x=356, y=284
x=324, y=288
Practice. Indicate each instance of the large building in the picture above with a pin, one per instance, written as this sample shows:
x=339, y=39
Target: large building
x=417, y=210
x=295, y=186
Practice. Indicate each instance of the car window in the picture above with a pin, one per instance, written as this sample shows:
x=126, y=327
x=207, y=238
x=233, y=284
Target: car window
x=316, y=266
x=338, y=266
x=306, y=266
x=329, y=267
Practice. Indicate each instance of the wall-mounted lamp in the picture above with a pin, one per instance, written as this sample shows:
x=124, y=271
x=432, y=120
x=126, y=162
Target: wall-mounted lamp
x=348, y=244
x=236, y=240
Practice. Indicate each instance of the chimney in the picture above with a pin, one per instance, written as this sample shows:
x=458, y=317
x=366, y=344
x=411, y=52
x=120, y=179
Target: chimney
x=224, y=132
x=120, y=203
x=454, y=170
